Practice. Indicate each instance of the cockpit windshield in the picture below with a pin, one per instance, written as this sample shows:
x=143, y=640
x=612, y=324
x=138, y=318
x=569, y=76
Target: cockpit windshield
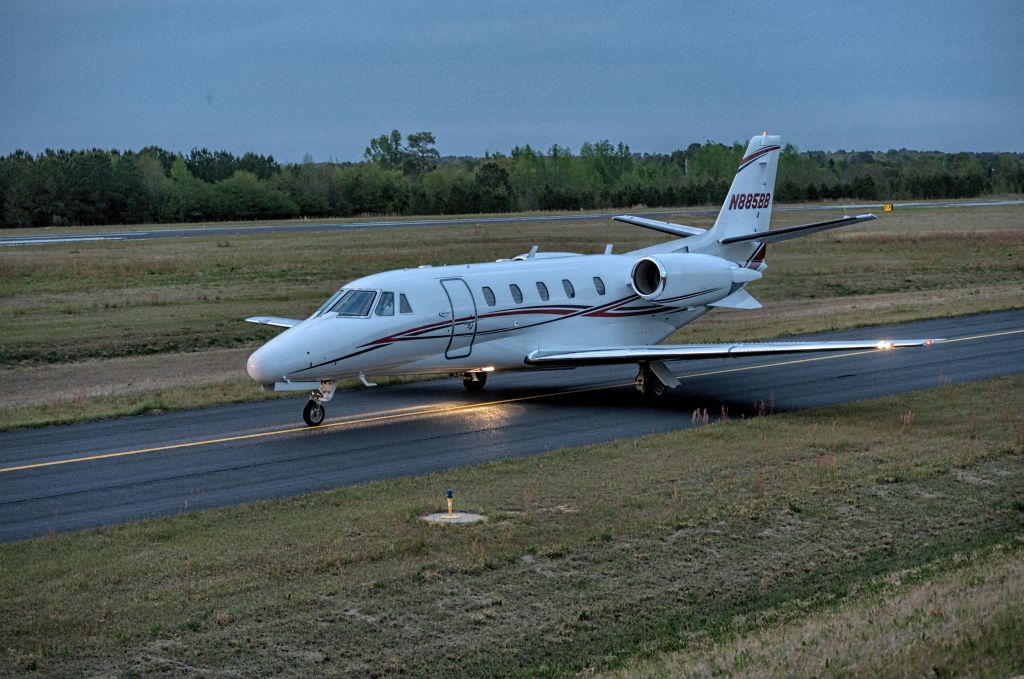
x=349, y=303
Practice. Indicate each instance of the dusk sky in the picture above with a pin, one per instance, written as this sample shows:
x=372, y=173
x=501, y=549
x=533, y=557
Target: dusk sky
x=322, y=78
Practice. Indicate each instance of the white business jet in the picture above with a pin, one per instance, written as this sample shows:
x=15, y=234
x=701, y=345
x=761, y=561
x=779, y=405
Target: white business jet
x=544, y=310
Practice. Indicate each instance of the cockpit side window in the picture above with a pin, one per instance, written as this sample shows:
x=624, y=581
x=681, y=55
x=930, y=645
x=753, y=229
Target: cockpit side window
x=355, y=303
x=386, y=305
x=403, y=304
x=326, y=306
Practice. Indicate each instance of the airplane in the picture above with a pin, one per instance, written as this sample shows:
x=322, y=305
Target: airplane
x=549, y=310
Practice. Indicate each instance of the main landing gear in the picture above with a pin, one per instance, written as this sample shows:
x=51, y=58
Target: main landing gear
x=474, y=381
x=313, y=414
x=653, y=380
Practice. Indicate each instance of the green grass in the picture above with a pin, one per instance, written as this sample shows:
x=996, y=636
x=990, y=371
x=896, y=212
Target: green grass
x=591, y=558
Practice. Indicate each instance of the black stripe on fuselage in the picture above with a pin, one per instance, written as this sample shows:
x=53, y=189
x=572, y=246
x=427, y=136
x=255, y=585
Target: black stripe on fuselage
x=617, y=305
x=342, y=358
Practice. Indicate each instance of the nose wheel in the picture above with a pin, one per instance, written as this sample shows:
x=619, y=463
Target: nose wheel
x=314, y=413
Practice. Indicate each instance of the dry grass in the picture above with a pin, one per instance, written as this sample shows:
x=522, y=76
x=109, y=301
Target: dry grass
x=72, y=307
x=694, y=542
x=135, y=385
x=968, y=623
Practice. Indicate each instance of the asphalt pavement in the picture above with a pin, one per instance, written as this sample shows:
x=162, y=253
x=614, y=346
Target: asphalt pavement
x=92, y=474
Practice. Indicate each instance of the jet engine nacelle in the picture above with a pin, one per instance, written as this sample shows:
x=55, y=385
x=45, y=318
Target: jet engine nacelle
x=684, y=279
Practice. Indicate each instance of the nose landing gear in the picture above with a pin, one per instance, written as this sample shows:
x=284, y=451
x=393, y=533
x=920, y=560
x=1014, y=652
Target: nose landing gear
x=313, y=414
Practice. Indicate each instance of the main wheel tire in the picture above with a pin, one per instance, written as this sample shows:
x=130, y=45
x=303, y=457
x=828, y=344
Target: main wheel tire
x=649, y=386
x=655, y=389
x=314, y=413
x=474, y=384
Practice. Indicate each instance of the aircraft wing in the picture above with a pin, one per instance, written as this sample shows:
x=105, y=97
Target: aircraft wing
x=678, y=230
x=680, y=352
x=275, y=321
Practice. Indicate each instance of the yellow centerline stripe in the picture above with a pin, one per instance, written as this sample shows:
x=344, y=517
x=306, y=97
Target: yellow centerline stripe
x=291, y=430
x=414, y=411
x=985, y=336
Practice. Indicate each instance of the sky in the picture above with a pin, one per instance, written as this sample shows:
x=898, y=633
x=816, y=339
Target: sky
x=321, y=79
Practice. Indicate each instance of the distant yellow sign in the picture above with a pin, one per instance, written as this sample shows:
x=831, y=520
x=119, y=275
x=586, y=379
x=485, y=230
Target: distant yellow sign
x=887, y=207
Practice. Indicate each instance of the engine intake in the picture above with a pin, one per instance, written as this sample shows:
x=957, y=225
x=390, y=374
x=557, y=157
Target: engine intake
x=682, y=279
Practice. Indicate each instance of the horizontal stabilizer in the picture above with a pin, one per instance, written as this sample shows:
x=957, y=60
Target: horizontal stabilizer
x=776, y=235
x=741, y=299
x=275, y=321
x=665, y=227
x=681, y=352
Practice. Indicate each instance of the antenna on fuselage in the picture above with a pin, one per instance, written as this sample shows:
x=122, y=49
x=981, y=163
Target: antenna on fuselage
x=608, y=249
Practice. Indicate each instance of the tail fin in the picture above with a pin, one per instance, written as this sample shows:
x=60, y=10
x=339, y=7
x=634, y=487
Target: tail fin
x=748, y=206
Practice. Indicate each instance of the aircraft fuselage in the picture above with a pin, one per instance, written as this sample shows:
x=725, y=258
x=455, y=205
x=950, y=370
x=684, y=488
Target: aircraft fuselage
x=468, y=317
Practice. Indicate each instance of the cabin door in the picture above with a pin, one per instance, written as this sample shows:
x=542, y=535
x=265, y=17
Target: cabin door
x=463, y=318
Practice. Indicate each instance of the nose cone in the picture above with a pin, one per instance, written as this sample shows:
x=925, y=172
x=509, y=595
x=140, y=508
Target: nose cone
x=264, y=365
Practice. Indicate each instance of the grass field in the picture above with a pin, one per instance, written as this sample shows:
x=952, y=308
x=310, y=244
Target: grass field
x=119, y=327
x=879, y=537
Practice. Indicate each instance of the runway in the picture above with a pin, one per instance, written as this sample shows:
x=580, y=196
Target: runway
x=92, y=474
x=319, y=227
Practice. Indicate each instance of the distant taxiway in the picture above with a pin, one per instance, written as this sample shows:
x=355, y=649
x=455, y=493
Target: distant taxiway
x=317, y=227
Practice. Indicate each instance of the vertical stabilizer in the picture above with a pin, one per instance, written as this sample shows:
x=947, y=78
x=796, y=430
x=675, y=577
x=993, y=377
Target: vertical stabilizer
x=748, y=206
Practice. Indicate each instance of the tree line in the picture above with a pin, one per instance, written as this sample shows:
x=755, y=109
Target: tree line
x=406, y=175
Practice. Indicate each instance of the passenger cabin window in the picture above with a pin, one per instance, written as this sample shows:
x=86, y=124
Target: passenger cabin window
x=570, y=291
x=599, y=285
x=403, y=304
x=354, y=303
x=489, y=296
x=517, y=294
x=542, y=290
x=386, y=305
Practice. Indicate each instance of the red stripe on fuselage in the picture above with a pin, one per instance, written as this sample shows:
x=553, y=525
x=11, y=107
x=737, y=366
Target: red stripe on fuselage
x=409, y=334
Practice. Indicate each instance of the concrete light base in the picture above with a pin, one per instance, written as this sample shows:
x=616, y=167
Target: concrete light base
x=455, y=518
